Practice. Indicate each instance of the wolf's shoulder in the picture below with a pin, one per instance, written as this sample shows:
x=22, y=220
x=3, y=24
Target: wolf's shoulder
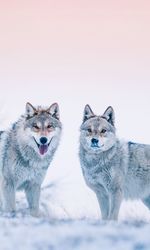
x=139, y=150
x=135, y=145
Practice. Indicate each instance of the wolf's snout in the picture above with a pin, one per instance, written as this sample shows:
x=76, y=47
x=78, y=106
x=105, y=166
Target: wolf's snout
x=43, y=140
x=94, y=141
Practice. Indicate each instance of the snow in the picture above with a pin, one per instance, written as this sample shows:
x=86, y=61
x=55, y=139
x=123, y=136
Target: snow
x=64, y=226
x=28, y=233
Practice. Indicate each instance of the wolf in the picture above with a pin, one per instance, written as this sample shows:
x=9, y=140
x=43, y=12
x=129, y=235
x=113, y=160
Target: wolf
x=114, y=169
x=26, y=151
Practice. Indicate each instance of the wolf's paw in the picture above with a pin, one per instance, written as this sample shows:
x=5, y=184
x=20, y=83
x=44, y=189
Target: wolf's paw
x=36, y=213
x=11, y=214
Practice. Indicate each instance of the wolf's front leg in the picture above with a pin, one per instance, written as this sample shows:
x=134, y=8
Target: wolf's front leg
x=116, y=196
x=33, y=197
x=103, y=200
x=8, y=196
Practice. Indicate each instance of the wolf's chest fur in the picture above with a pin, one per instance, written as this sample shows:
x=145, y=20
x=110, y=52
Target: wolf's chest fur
x=33, y=172
x=98, y=174
x=22, y=166
x=99, y=169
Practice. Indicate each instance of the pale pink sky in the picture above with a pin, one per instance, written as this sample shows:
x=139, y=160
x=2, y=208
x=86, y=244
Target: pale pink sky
x=52, y=30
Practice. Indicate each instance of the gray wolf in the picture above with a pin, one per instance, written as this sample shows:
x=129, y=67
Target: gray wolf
x=112, y=168
x=26, y=151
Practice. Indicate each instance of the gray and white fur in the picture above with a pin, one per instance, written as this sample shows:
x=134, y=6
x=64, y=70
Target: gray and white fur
x=26, y=151
x=113, y=169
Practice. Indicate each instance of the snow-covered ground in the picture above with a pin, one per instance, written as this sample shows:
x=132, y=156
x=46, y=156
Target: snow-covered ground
x=28, y=233
x=68, y=226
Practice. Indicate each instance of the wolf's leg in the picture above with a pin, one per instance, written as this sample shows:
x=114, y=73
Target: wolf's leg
x=8, y=195
x=1, y=195
x=33, y=196
x=146, y=201
x=103, y=201
x=116, y=196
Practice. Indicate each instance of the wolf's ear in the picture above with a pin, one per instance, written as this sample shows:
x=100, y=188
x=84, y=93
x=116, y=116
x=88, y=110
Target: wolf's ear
x=30, y=110
x=110, y=115
x=54, y=110
x=88, y=113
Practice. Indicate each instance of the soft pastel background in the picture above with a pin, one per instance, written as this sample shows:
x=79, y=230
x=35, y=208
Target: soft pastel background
x=77, y=52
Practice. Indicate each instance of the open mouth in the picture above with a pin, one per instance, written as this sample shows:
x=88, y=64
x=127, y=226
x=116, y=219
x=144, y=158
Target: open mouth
x=43, y=148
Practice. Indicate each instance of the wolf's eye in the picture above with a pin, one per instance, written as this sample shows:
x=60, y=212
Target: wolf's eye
x=36, y=127
x=103, y=131
x=89, y=130
x=50, y=126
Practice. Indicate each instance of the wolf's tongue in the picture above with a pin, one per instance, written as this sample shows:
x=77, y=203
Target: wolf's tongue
x=43, y=149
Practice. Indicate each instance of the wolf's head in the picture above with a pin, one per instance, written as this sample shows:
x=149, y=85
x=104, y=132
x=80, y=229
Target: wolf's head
x=98, y=132
x=42, y=127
